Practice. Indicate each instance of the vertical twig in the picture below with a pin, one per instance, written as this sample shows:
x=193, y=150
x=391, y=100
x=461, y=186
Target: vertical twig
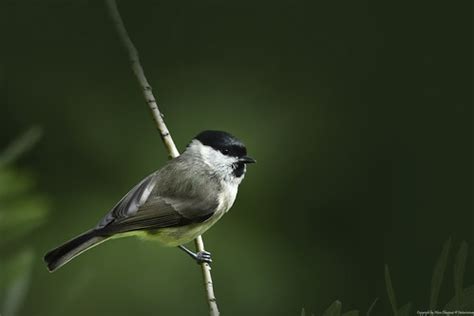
x=164, y=133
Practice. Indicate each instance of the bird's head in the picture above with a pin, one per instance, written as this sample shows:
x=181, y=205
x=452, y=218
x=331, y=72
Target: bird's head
x=221, y=151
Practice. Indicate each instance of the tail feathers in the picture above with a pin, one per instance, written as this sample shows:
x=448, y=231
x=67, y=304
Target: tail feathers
x=61, y=255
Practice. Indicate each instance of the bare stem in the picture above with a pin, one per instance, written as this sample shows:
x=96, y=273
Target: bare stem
x=164, y=132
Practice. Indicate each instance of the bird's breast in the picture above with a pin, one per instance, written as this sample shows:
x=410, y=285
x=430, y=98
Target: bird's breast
x=227, y=197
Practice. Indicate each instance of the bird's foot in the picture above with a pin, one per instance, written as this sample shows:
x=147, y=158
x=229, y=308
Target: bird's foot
x=203, y=256
x=200, y=257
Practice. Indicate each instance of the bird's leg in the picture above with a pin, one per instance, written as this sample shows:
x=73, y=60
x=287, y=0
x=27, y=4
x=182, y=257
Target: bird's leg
x=200, y=257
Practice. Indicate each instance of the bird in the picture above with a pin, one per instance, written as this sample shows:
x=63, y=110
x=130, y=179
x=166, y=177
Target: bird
x=176, y=203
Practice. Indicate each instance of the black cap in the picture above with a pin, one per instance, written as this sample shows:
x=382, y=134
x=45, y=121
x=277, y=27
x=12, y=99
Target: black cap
x=224, y=142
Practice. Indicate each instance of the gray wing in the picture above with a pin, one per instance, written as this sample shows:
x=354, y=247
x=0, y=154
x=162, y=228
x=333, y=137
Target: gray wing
x=143, y=209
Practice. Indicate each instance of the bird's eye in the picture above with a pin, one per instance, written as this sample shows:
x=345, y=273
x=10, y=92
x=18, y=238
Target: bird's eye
x=225, y=151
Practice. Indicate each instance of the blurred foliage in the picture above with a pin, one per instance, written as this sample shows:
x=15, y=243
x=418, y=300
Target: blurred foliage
x=20, y=146
x=15, y=274
x=438, y=274
x=463, y=299
x=21, y=211
x=335, y=309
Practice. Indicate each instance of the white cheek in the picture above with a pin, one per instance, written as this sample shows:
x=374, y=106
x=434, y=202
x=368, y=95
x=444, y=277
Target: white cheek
x=214, y=159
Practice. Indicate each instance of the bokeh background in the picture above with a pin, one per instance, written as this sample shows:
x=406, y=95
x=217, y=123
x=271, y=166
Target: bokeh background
x=358, y=112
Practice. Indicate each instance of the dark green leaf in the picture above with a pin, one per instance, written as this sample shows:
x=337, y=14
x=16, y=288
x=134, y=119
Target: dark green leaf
x=405, y=310
x=17, y=273
x=467, y=301
x=371, y=307
x=20, y=145
x=459, y=268
x=21, y=216
x=438, y=274
x=334, y=309
x=13, y=183
x=390, y=291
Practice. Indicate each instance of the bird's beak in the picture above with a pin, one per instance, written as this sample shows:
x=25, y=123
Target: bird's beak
x=247, y=159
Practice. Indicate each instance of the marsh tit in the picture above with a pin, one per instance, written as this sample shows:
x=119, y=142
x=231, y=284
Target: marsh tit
x=176, y=203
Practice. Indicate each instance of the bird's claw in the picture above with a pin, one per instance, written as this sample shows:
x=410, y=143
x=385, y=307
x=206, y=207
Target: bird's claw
x=203, y=256
x=200, y=257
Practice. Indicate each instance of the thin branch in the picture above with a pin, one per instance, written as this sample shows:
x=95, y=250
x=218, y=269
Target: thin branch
x=164, y=132
x=208, y=285
x=140, y=74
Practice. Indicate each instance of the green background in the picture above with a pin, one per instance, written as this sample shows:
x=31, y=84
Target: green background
x=359, y=114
